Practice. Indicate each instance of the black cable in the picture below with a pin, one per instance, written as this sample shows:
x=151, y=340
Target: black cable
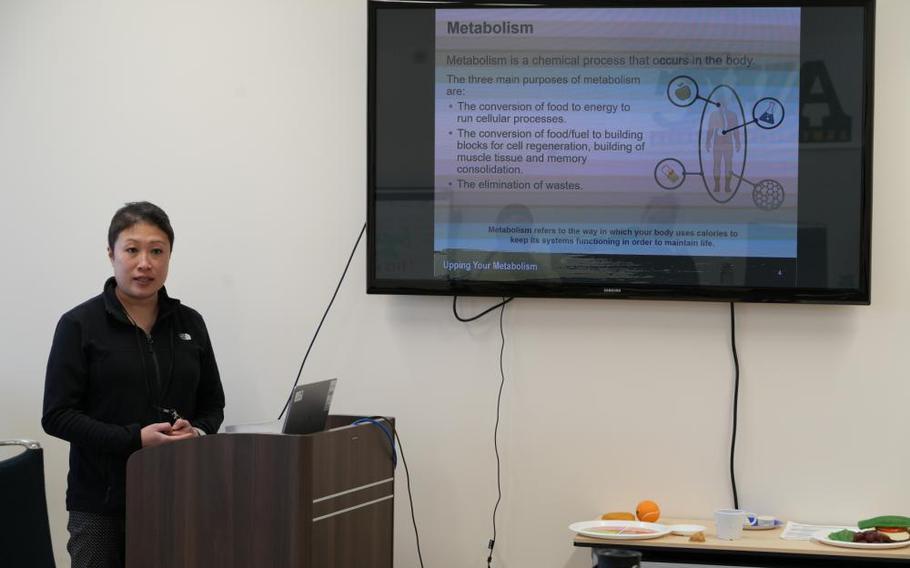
x=735, y=402
x=410, y=498
x=329, y=307
x=502, y=382
x=478, y=316
x=407, y=473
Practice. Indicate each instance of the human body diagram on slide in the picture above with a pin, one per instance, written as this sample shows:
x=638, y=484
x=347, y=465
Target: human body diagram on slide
x=723, y=144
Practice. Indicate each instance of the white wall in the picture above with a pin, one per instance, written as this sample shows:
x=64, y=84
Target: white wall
x=246, y=119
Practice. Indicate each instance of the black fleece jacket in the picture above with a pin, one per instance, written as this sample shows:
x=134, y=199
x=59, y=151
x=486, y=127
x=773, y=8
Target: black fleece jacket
x=106, y=380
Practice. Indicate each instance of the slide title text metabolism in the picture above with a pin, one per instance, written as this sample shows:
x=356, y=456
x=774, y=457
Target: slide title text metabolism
x=505, y=27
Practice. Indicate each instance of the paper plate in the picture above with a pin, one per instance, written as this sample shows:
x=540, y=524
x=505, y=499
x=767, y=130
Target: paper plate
x=620, y=530
x=822, y=537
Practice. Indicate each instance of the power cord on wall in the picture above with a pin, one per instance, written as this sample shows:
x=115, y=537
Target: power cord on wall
x=735, y=402
x=329, y=307
x=502, y=382
x=481, y=314
x=392, y=436
x=502, y=375
x=407, y=476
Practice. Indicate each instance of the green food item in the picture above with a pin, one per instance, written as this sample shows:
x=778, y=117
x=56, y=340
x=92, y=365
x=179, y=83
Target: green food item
x=844, y=535
x=892, y=521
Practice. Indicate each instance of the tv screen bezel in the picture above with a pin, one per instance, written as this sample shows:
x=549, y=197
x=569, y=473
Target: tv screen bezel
x=538, y=289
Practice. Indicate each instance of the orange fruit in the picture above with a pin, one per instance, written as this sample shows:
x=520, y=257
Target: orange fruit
x=619, y=516
x=647, y=511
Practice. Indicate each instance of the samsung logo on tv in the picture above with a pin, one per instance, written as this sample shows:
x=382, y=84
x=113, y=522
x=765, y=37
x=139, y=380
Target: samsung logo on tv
x=612, y=290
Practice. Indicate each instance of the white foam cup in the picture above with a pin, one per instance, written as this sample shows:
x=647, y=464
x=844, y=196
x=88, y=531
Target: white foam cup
x=729, y=523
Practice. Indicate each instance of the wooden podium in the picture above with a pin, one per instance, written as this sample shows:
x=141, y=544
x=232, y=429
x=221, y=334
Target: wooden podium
x=321, y=500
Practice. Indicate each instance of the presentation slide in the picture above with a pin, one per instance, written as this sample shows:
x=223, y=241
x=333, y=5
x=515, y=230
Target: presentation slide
x=661, y=131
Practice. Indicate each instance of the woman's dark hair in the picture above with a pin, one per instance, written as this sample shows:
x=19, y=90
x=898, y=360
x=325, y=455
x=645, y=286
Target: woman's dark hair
x=139, y=212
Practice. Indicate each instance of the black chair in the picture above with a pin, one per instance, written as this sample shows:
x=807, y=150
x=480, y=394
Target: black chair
x=25, y=534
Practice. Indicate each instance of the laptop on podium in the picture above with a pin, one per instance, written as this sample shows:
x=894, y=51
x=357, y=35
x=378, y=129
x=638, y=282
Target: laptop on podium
x=309, y=408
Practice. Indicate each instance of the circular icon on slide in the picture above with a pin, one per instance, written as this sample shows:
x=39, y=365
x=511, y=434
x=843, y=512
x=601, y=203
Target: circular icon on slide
x=768, y=113
x=682, y=90
x=768, y=195
x=669, y=173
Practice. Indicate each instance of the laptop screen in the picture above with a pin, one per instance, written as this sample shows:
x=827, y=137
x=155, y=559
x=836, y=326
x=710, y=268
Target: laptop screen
x=309, y=407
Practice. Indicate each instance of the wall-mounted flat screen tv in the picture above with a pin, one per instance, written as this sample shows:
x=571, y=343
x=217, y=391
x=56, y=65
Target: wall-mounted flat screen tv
x=650, y=149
